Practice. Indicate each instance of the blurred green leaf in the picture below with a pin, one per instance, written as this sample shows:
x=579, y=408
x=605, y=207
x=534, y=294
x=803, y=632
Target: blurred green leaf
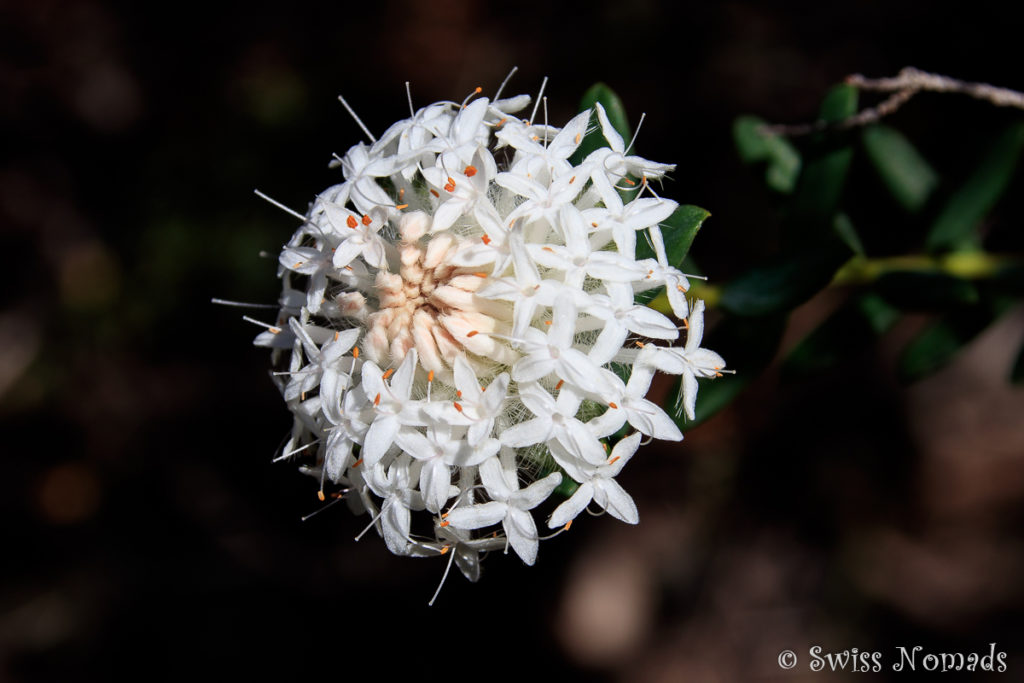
x=914, y=291
x=852, y=328
x=844, y=228
x=905, y=173
x=1017, y=373
x=939, y=343
x=824, y=172
x=753, y=145
x=612, y=103
x=784, y=283
x=954, y=229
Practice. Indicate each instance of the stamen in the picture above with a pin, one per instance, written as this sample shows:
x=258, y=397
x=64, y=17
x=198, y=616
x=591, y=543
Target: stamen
x=559, y=385
x=480, y=274
x=357, y=463
x=402, y=206
x=547, y=322
x=612, y=405
x=459, y=394
x=444, y=524
x=629, y=181
x=358, y=120
x=401, y=193
x=470, y=171
x=430, y=376
x=593, y=225
x=567, y=525
x=472, y=334
x=578, y=138
x=612, y=461
x=435, y=192
x=336, y=334
x=641, y=344
x=351, y=222
x=445, y=549
x=497, y=95
x=450, y=187
x=321, y=496
x=355, y=352
x=376, y=401
x=388, y=373
x=485, y=239
x=457, y=406
x=540, y=95
x=366, y=219
x=280, y=205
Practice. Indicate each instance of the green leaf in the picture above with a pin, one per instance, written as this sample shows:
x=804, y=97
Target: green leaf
x=848, y=234
x=954, y=229
x=1017, y=373
x=784, y=283
x=824, y=174
x=906, y=174
x=915, y=291
x=848, y=331
x=939, y=343
x=600, y=92
x=678, y=231
x=754, y=145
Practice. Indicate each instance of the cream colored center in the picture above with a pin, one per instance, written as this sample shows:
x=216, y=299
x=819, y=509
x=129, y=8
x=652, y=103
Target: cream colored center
x=431, y=305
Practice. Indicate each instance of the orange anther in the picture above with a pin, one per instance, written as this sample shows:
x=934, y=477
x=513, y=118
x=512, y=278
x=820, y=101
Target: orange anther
x=612, y=405
x=337, y=494
x=275, y=330
x=376, y=401
x=444, y=524
x=388, y=373
x=366, y=219
x=457, y=406
x=320, y=495
x=593, y=225
x=612, y=461
x=351, y=221
x=450, y=187
x=478, y=90
x=430, y=376
x=681, y=288
x=547, y=322
x=401, y=192
x=631, y=182
x=569, y=523
x=578, y=138
x=357, y=463
x=549, y=249
x=336, y=333
x=459, y=394
x=641, y=344
x=485, y=239
x=535, y=138
x=559, y=385
x=302, y=396
x=480, y=274
x=402, y=206
x=470, y=171
x=297, y=264
x=355, y=352
x=445, y=549
x=503, y=121
x=473, y=333
x=686, y=324
x=718, y=374
x=572, y=180
x=435, y=193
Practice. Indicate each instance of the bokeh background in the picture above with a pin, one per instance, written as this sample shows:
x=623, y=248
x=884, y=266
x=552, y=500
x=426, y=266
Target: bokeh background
x=146, y=532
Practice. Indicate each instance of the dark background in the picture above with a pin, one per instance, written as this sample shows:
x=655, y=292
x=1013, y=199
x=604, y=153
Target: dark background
x=146, y=532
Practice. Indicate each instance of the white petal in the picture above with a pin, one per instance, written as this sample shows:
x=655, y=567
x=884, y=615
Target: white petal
x=567, y=511
x=616, y=501
x=477, y=516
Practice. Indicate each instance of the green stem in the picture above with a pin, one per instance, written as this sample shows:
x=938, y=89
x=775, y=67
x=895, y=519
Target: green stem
x=969, y=265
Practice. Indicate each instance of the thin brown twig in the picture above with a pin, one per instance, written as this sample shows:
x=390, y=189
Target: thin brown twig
x=904, y=86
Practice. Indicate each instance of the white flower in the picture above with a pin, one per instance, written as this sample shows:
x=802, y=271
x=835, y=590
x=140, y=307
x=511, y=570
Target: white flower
x=450, y=319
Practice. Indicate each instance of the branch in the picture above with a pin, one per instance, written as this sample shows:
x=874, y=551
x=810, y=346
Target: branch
x=904, y=86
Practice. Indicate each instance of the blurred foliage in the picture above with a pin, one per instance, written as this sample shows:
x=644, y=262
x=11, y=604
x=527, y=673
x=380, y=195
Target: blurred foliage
x=951, y=277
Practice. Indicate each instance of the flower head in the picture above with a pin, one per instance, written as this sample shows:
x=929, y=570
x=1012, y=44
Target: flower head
x=451, y=319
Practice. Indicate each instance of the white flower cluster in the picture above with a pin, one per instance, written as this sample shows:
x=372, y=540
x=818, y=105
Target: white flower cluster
x=456, y=320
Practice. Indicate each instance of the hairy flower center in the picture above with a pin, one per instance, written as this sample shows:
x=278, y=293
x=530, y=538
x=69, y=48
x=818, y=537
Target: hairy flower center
x=431, y=305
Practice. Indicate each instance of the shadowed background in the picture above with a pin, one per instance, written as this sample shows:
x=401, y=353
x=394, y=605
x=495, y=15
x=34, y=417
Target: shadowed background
x=146, y=530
